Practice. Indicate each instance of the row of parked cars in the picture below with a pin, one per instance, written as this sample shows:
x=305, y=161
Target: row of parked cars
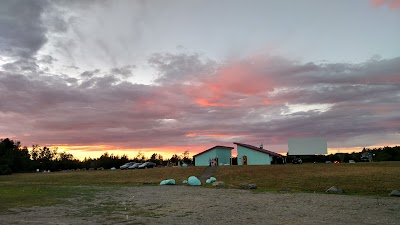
x=136, y=165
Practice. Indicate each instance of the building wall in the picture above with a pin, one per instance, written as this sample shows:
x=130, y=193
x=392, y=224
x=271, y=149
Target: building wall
x=204, y=159
x=223, y=154
x=253, y=157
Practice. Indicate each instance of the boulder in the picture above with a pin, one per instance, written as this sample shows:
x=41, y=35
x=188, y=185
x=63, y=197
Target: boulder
x=334, y=190
x=218, y=184
x=395, y=193
x=248, y=186
x=210, y=180
x=194, y=181
x=168, y=182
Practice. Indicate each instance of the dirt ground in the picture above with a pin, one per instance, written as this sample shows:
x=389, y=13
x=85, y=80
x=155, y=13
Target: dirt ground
x=197, y=205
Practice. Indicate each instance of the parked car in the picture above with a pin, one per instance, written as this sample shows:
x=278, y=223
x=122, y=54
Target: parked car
x=126, y=165
x=364, y=159
x=135, y=166
x=297, y=161
x=147, y=165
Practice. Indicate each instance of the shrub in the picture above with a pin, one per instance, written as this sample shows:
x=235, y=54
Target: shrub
x=5, y=170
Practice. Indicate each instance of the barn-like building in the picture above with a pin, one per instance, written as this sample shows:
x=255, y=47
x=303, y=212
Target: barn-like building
x=252, y=155
x=217, y=155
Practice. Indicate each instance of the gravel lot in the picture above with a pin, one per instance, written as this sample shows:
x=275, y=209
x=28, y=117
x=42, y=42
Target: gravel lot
x=197, y=205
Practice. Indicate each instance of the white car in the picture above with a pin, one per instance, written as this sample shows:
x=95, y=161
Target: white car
x=134, y=166
x=126, y=165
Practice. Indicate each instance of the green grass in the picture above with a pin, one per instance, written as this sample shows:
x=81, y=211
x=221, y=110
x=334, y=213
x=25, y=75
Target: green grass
x=105, y=177
x=40, y=189
x=14, y=195
x=359, y=178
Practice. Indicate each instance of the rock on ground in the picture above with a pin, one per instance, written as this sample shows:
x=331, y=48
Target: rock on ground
x=334, y=190
x=395, y=193
x=218, y=184
x=194, y=181
x=248, y=186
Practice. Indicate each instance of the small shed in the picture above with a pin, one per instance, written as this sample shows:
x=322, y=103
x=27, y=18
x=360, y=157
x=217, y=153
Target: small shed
x=252, y=155
x=216, y=155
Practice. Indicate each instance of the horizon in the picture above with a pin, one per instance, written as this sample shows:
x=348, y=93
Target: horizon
x=80, y=151
x=169, y=76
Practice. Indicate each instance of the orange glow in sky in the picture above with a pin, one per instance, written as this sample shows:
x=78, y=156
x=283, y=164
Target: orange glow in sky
x=95, y=151
x=204, y=102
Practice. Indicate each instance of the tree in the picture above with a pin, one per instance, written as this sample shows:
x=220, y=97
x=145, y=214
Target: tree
x=175, y=159
x=140, y=157
x=66, y=161
x=124, y=159
x=156, y=158
x=13, y=158
x=186, y=158
x=44, y=158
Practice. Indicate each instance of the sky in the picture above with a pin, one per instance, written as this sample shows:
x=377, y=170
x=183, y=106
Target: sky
x=168, y=76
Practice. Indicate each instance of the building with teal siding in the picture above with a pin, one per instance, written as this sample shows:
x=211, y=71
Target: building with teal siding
x=218, y=155
x=251, y=155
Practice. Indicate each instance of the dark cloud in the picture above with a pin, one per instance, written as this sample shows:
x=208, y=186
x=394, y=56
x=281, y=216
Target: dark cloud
x=55, y=18
x=90, y=73
x=268, y=104
x=47, y=59
x=125, y=71
x=180, y=68
x=72, y=67
x=26, y=65
x=22, y=32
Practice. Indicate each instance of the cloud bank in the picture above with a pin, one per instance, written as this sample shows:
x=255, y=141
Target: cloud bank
x=196, y=101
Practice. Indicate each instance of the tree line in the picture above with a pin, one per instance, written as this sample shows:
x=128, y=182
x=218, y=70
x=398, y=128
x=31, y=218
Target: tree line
x=16, y=158
x=378, y=154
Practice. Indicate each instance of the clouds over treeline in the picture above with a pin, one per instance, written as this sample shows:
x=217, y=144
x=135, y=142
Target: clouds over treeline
x=197, y=101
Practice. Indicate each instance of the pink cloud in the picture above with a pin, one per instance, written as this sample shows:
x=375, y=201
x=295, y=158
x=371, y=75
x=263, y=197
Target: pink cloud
x=230, y=84
x=240, y=78
x=196, y=112
x=214, y=135
x=393, y=4
x=204, y=102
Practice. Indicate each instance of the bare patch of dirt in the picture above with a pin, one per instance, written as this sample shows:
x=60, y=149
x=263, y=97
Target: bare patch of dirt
x=197, y=205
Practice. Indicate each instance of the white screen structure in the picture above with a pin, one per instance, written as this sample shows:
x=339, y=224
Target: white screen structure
x=307, y=146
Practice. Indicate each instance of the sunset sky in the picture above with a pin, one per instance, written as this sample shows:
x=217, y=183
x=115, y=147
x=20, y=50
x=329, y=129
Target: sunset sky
x=167, y=76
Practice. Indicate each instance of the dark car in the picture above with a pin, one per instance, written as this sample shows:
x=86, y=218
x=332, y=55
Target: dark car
x=147, y=165
x=364, y=159
x=126, y=165
x=297, y=161
x=134, y=166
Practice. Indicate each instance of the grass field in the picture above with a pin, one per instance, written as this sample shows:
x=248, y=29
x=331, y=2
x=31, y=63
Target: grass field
x=360, y=178
x=37, y=189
